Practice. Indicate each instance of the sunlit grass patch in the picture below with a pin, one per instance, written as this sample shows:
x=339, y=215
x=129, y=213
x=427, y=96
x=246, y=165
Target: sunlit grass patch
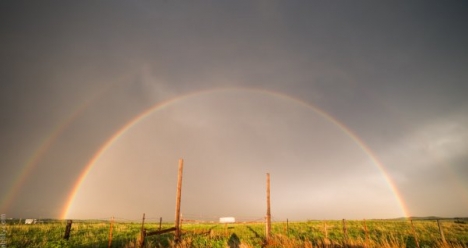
x=371, y=233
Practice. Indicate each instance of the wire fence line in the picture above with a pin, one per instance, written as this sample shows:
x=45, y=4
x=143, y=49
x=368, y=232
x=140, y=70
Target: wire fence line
x=120, y=232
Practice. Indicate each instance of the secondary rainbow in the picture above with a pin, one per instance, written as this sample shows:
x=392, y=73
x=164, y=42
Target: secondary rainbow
x=164, y=104
x=45, y=145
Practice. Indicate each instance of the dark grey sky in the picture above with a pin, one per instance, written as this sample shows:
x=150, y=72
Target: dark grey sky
x=393, y=73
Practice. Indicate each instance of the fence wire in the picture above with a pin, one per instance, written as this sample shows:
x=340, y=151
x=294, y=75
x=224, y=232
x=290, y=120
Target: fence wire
x=206, y=231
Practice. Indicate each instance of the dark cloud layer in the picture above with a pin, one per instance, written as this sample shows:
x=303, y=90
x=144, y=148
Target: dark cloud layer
x=392, y=72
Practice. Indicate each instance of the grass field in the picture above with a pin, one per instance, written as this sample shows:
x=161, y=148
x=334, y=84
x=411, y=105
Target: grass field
x=371, y=233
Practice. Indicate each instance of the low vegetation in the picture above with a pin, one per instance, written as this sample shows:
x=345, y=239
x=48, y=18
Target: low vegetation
x=357, y=233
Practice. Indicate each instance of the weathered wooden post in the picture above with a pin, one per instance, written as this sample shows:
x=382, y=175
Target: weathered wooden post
x=325, y=229
x=142, y=232
x=268, y=214
x=326, y=241
x=68, y=229
x=345, y=234
x=110, y=232
x=366, y=233
x=441, y=231
x=178, y=198
x=160, y=222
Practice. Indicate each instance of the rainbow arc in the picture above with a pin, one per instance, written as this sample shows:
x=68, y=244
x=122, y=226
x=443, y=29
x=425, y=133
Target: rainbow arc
x=162, y=105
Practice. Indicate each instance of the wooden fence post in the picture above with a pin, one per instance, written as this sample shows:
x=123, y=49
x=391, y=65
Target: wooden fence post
x=142, y=232
x=441, y=231
x=345, y=234
x=366, y=233
x=268, y=214
x=325, y=242
x=414, y=233
x=178, y=198
x=67, y=230
x=325, y=229
x=110, y=232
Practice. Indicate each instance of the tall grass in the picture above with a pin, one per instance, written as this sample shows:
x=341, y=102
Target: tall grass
x=297, y=234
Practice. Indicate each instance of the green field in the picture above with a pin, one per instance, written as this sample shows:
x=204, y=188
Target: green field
x=371, y=233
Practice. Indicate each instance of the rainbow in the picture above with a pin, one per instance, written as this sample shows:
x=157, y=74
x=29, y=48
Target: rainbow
x=159, y=106
x=45, y=145
x=26, y=170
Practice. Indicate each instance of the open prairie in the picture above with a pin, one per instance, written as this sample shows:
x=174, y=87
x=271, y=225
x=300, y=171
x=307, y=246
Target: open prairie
x=330, y=233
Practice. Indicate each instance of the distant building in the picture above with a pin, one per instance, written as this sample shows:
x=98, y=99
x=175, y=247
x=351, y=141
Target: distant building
x=227, y=220
x=30, y=221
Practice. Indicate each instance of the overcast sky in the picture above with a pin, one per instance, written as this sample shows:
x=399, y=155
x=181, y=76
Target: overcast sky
x=337, y=100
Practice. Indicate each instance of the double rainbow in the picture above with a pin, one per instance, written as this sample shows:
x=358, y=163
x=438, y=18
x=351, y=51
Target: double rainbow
x=59, y=129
